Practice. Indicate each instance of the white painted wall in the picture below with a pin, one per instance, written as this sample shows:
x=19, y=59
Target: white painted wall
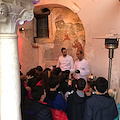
x=100, y=18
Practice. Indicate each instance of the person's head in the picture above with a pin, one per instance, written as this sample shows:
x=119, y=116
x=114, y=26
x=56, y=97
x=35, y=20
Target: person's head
x=54, y=67
x=23, y=79
x=92, y=84
x=31, y=72
x=81, y=83
x=47, y=69
x=91, y=81
x=45, y=79
x=39, y=69
x=64, y=51
x=64, y=76
x=79, y=55
x=74, y=84
x=54, y=81
x=101, y=85
x=113, y=93
x=56, y=71
x=38, y=92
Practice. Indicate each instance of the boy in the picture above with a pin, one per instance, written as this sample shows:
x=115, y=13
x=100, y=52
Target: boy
x=100, y=106
x=36, y=108
x=76, y=101
x=55, y=99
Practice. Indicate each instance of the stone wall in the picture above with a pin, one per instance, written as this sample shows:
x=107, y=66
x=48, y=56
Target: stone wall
x=28, y=50
x=68, y=31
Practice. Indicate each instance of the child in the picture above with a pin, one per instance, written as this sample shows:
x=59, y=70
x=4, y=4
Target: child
x=55, y=100
x=73, y=88
x=64, y=87
x=76, y=101
x=89, y=89
x=113, y=93
x=32, y=77
x=36, y=108
x=24, y=81
x=100, y=106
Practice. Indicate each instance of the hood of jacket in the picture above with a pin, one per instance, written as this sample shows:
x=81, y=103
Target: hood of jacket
x=77, y=99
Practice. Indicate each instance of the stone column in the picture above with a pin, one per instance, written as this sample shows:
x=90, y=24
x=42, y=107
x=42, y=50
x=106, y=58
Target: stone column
x=12, y=13
x=10, y=77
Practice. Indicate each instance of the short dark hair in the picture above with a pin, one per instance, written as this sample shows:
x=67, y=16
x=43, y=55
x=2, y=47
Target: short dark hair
x=101, y=84
x=81, y=83
x=31, y=72
x=47, y=69
x=63, y=49
x=37, y=92
x=92, y=84
x=64, y=76
x=39, y=68
x=56, y=71
x=74, y=83
x=53, y=81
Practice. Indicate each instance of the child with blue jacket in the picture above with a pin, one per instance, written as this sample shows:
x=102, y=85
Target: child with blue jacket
x=54, y=98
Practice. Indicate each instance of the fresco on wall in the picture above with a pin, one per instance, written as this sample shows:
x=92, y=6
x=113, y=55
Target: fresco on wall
x=69, y=33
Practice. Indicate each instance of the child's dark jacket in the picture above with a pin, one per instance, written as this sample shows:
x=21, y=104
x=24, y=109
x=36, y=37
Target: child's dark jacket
x=75, y=106
x=100, y=107
x=33, y=110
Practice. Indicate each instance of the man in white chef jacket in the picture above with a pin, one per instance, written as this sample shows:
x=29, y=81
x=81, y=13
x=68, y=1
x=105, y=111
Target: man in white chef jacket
x=65, y=62
x=81, y=66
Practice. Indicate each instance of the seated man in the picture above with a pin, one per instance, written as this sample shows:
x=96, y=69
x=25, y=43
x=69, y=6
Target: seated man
x=76, y=101
x=36, y=109
x=100, y=106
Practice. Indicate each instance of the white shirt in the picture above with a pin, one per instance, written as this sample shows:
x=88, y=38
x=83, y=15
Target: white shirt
x=65, y=63
x=83, y=67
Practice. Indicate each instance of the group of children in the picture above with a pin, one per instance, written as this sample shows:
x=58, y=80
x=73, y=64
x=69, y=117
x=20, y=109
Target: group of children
x=47, y=95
